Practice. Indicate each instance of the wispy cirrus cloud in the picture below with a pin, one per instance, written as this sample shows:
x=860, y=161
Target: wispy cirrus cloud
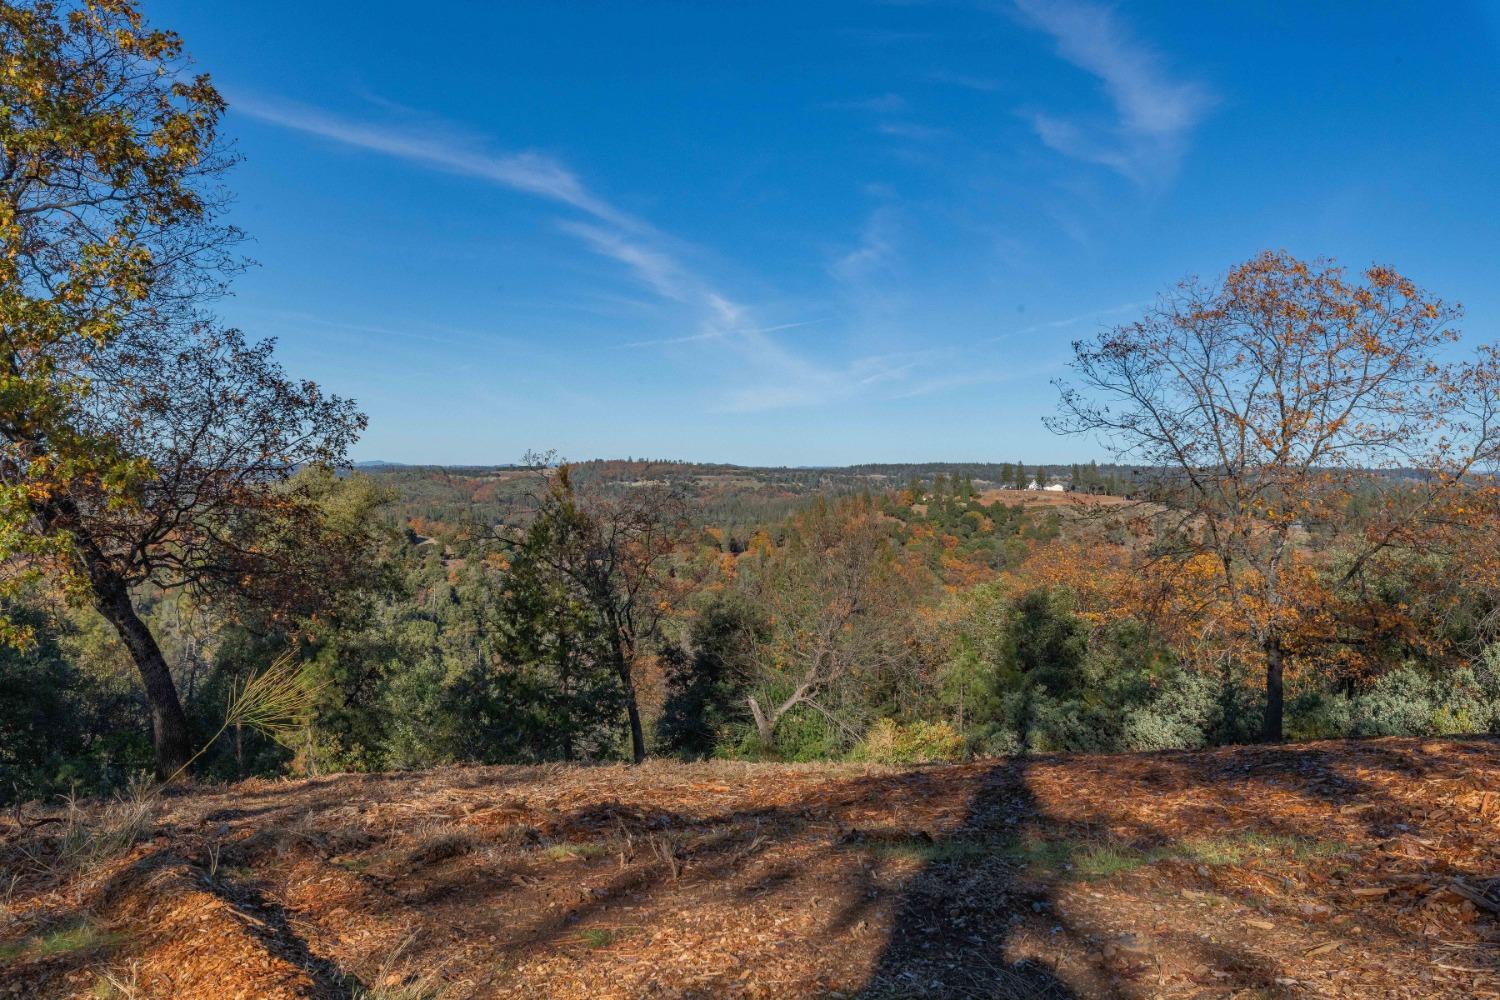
x=910, y=130
x=875, y=252
x=802, y=386
x=713, y=335
x=773, y=375
x=529, y=172
x=658, y=269
x=1067, y=321
x=982, y=376
x=983, y=84
x=1155, y=112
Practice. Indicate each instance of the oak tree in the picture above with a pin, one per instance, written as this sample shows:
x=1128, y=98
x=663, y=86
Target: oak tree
x=1292, y=404
x=140, y=443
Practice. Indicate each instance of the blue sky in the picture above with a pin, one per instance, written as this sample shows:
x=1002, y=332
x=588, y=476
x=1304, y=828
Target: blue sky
x=811, y=233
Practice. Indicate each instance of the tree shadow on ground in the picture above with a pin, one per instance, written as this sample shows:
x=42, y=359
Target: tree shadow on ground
x=979, y=872
x=953, y=931
x=1247, y=860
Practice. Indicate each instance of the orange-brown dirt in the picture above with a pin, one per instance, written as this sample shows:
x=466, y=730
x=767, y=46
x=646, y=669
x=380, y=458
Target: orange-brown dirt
x=1359, y=869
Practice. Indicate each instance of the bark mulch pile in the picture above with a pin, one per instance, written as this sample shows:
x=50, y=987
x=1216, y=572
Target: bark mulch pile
x=1357, y=869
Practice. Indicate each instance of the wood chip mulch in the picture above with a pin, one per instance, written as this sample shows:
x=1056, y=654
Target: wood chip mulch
x=1340, y=869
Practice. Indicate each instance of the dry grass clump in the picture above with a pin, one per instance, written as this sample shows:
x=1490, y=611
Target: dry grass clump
x=396, y=979
x=122, y=984
x=86, y=841
x=439, y=842
x=84, y=838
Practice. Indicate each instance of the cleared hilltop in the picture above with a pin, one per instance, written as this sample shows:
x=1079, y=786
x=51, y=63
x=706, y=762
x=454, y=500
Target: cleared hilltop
x=1326, y=869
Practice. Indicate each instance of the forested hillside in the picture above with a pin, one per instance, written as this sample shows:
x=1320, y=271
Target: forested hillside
x=937, y=620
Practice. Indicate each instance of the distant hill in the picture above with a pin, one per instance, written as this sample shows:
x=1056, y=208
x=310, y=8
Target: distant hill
x=736, y=498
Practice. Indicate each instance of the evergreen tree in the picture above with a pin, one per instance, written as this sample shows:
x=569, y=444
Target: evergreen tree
x=550, y=691
x=707, y=682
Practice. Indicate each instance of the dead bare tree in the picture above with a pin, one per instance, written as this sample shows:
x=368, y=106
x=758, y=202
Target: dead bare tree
x=836, y=598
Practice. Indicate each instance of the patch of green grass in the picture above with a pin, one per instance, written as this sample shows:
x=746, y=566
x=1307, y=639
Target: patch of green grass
x=955, y=851
x=74, y=938
x=1037, y=852
x=1106, y=860
x=573, y=852
x=80, y=937
x=1033, y=851
x=1086, y=859
x=1234, y=849
x=597, y=937
x=1214, y=850
x=1103, y=858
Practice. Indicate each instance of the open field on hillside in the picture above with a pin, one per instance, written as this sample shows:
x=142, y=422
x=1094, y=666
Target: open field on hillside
x=1045, y=498
x=1367, y=869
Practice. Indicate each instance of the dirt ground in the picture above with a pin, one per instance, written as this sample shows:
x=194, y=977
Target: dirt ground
x=1359, y=869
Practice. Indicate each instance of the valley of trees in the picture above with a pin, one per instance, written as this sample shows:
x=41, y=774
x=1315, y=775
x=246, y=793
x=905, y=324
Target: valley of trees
x=607, y=619
x=1292, y=534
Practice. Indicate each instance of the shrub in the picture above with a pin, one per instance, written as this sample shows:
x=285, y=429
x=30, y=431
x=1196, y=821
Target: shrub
x=805, y=734
x=890, y=742
x=1181, y=717
x=1049, y=724
x=994, y=741
x=1402, y=703
x=1409, y=701
x=1319, y=715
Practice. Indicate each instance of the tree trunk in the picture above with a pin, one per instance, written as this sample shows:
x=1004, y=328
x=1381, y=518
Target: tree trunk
x=565, y=678
x=633, y=710
x=170, y=739
x=169, y=725
x=637, y=735
x=763, y=726
x=1271, y=728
